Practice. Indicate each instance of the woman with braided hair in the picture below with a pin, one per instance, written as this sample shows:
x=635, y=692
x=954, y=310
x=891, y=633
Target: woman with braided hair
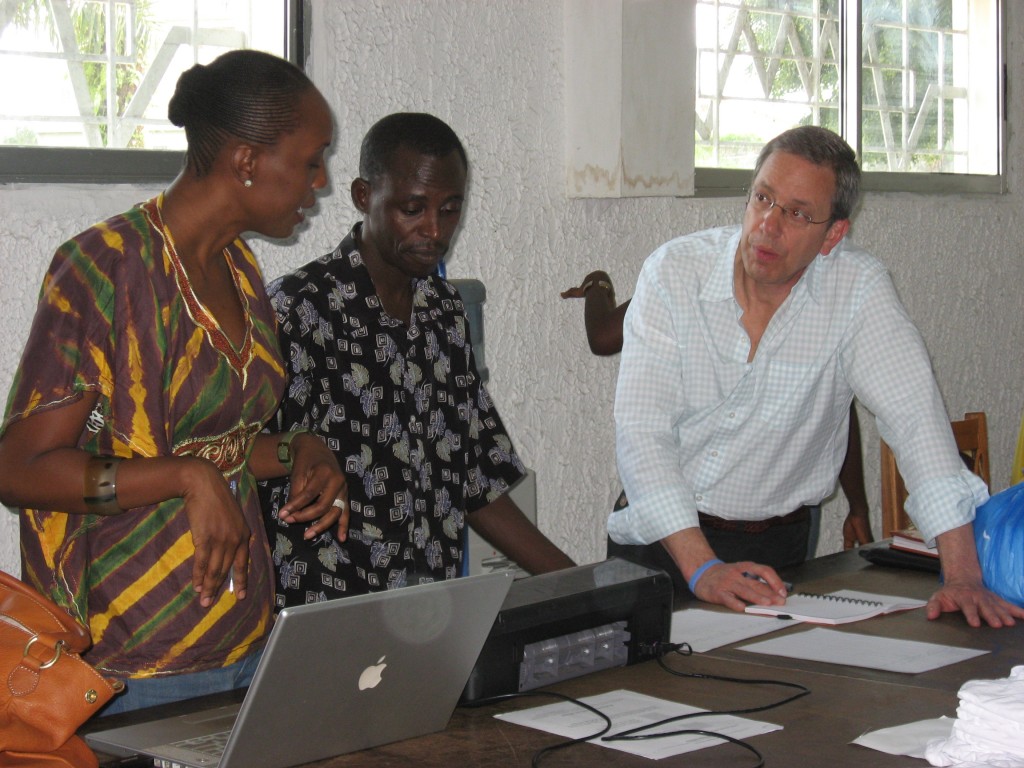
x=133, y=438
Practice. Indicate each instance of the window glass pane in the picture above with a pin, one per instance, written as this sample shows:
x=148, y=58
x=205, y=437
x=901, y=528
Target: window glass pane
x=763, y=66
x=929, y=98
x=917, y=75
x=99, y=73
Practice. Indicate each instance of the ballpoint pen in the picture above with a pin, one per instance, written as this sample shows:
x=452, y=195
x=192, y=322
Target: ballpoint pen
x=747, y=575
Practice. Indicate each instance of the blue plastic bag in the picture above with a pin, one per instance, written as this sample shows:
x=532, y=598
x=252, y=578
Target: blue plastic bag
x=999, y=534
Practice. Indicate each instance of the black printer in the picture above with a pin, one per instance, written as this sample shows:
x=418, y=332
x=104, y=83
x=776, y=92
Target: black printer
x=568, y=623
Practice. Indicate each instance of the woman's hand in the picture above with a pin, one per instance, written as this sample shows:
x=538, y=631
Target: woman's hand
x=319, y=493
x=220, y=534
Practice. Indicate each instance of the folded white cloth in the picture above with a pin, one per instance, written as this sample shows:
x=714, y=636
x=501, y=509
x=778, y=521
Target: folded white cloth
x=989, y=729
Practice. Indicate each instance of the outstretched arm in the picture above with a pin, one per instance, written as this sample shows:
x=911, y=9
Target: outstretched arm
x=505, y=526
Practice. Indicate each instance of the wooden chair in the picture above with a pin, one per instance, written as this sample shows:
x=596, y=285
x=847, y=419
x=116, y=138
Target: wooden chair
x=971, y=434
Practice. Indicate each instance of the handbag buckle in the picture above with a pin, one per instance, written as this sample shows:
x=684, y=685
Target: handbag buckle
x=57, y=648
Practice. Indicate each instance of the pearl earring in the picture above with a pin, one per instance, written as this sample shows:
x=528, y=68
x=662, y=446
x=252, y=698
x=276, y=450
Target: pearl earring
x=247, y=183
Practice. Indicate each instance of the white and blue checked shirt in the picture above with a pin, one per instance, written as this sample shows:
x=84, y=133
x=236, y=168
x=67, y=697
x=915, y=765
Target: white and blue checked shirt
x=700, y=428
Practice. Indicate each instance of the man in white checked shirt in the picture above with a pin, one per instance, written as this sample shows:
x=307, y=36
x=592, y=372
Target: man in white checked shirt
x=743, y=348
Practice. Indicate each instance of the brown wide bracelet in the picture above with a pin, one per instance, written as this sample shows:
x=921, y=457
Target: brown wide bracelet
x=100, y=494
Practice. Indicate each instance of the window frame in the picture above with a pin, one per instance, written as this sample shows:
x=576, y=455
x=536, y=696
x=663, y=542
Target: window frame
x=72, y=165
x=731, y=182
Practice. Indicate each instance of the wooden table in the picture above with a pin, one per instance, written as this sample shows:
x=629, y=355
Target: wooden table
x=817, y=729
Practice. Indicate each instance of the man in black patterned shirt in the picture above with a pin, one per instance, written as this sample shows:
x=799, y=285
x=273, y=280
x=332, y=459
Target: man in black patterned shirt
x=382, y=368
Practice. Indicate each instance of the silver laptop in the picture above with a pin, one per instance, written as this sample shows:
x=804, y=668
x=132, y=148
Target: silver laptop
x=337, y=677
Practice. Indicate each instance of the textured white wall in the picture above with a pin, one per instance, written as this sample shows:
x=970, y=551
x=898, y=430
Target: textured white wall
x=493, y=70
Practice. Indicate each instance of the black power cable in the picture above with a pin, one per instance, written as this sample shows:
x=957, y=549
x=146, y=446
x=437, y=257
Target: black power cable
x=683, y=649
x=661, y=650
x=550, y=694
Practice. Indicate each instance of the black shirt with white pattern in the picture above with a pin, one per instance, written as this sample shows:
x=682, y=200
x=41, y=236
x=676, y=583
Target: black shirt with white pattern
x=404, y=410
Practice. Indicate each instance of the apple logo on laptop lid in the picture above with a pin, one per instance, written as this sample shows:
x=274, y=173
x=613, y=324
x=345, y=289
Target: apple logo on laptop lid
x=371, y=676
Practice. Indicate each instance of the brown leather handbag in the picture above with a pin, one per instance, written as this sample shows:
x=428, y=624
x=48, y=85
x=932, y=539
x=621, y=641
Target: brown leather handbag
x=46, y=690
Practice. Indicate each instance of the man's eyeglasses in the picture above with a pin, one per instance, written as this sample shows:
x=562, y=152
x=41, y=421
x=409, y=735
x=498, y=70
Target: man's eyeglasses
x=762, y=203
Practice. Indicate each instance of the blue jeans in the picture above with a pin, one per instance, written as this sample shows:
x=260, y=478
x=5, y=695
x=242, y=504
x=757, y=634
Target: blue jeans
x=151, y=691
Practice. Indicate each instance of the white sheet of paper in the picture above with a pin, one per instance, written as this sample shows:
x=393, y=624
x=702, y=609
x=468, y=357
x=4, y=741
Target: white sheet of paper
x=909, y=739
x=705, y=630
x=886, y=653
x=628, y=709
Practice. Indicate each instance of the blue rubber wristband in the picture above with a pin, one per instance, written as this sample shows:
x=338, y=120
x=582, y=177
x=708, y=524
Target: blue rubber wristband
x=692, y=583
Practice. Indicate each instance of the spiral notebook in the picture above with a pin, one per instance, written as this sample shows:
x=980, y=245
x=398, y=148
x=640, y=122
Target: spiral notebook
x=840, y=607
